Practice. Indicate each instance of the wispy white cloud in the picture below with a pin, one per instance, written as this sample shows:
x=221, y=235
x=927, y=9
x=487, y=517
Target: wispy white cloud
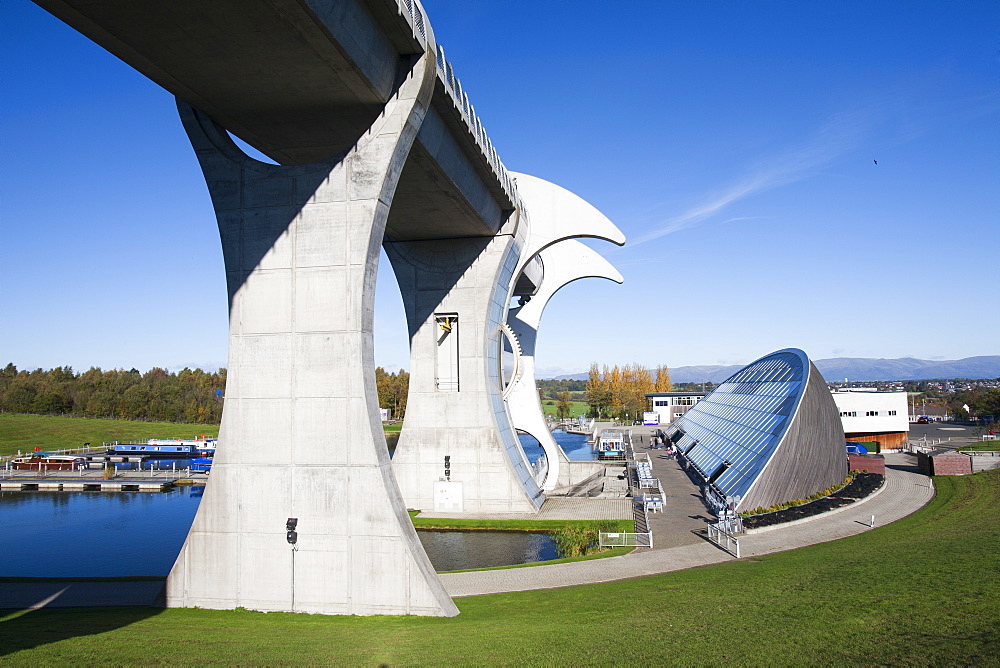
x=841, y=134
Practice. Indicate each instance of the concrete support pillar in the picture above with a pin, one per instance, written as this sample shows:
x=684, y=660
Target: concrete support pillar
x=564, y=262
x=301, y=436
x=455, y=292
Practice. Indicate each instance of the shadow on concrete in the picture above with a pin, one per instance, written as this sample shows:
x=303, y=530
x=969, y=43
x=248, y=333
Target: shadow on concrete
x=909, y=468
x=28, y=629
x=703, y=534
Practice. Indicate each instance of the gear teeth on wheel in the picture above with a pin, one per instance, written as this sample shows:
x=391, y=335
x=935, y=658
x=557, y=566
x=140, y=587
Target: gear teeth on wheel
x=515, y=346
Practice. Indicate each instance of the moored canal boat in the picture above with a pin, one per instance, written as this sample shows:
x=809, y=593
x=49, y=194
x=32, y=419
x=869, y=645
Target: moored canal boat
x=44, y=462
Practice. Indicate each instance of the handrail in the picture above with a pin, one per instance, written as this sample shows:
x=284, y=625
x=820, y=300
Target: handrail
x=411, y=11
x=716, y=533
x=625, y=539
x=65, y=451
x=460, y=99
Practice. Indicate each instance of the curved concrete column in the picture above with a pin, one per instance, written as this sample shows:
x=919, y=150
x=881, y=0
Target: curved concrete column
x=558, y=214
x=457, y=450
x=301, y=436
x=564, y=263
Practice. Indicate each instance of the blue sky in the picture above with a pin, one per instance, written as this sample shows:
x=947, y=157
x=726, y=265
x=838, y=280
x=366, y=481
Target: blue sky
x=732, y=142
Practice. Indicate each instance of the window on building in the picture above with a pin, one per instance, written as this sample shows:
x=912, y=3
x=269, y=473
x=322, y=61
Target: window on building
x=446, y=371
x=661, y=402
x=871, y=413
x=684, y=401
x=892, y=412
x=848, y=414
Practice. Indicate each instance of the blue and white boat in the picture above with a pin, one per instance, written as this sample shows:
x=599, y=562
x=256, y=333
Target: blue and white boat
x=162, y=447
x=201, y=464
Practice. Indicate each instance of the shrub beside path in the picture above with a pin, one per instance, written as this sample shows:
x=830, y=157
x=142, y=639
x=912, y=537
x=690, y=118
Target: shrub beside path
x=905, y=492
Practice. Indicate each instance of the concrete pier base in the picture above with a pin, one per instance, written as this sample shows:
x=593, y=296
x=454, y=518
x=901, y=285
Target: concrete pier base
x=457, y=450
x=301, y=436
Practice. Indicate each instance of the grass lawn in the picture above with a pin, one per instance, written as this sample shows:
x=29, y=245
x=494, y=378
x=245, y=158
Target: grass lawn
x=24, y=432
x=982, y=445
x=575, y=407
x=922, y=591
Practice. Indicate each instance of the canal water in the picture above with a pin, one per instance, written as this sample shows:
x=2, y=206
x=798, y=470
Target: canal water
x=95, y=534
x=575, y=446
x=458, y=550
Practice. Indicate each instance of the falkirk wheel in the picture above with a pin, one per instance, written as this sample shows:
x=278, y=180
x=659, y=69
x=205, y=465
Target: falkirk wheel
x=458, y=450
x=376, y=144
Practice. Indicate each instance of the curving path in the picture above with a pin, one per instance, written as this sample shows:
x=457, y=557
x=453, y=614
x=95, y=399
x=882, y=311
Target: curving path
x=905, y=492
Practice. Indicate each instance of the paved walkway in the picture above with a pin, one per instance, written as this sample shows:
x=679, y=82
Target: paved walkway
x=906, y=491
x=683, y=509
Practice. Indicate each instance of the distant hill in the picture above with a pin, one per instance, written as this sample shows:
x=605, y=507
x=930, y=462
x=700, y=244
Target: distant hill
x=853, y=368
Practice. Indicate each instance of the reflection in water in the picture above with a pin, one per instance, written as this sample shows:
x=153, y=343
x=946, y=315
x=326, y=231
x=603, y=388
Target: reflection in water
x=101, y=534
x=391, y=439
x=94, y=534
x=457, y=550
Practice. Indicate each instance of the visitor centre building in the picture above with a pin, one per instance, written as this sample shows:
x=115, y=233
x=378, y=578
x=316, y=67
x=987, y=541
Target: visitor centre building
x=770, y=433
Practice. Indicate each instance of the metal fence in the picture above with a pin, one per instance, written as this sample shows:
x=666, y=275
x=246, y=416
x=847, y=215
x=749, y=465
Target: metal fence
x=626, y=539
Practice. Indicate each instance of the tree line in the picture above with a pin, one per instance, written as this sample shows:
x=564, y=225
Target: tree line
x=619, y=392
x=552, y=388
x=982, y=401
x=193, y=396
x=392, y=390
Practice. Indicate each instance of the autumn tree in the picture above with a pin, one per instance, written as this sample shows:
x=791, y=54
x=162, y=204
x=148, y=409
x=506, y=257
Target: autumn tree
x=616, y=390
x=662, y=382
x=562, y=406
x=392, y=391
x=598, y=396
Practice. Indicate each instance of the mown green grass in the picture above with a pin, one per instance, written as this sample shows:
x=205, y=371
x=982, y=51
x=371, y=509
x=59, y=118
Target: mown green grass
x=921, y=591
x=25, y=432
x=982, y=445
x=575, y=407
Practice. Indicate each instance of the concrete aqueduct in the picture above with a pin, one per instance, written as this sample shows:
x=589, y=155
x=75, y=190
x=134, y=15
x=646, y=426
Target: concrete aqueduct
x=377, y=145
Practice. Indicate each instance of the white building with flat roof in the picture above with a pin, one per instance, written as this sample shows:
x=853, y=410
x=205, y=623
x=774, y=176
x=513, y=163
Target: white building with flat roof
x=869, y=415
x=672, y=405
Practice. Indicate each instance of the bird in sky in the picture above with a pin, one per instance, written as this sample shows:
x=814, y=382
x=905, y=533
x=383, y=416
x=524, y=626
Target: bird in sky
x=875, y=161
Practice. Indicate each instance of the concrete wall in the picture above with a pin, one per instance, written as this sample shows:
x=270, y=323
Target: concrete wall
x=470, y=278
x=984, y=461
